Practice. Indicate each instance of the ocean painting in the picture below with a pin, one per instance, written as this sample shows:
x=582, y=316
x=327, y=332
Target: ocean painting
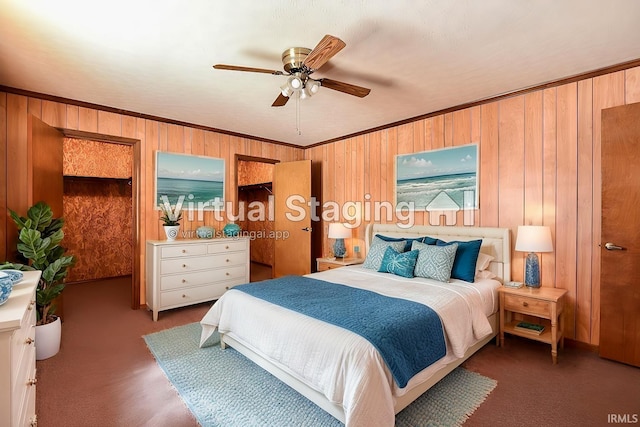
x=198, y=179
x=445, y=179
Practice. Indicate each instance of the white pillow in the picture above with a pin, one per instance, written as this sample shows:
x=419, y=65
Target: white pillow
x=483, y=261
x=485, y=274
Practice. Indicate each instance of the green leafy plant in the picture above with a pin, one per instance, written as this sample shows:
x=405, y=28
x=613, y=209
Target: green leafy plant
x=39, y=243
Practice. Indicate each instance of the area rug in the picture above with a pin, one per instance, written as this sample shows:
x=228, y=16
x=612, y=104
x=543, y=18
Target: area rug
x=223, y=388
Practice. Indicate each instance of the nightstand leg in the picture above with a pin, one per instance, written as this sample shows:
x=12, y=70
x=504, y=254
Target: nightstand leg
x=554, y=340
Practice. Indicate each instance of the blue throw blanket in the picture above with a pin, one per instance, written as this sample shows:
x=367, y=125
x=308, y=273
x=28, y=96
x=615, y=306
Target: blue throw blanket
x=407, y=334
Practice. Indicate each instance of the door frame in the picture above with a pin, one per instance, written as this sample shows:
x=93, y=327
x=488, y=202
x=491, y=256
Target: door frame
x=135, y=199
x=244, y=158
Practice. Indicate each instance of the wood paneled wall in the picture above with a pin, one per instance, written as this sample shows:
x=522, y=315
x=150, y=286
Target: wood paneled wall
x=539, y=164
x=153, y=136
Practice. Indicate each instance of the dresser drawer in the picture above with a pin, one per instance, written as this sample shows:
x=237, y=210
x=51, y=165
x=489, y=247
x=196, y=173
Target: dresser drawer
x=228, y=246
x=199, y=278
x=170, y=266
x=188, y=296
x=527, y=305
x=23, y=407
x=22, y=340
x=183, y=251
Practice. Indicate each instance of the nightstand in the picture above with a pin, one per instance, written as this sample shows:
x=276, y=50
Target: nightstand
x=547, y=304
x=330, y=263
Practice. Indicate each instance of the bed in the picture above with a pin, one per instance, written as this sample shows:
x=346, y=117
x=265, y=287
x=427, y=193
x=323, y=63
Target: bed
x=341, y=371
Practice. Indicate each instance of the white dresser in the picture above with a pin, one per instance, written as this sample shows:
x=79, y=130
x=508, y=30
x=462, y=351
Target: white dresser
x=18, y=354
x=184, y=272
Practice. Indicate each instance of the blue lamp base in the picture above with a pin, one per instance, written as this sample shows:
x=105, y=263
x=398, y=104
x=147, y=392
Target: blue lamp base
x=532, y=271
x=339, y=250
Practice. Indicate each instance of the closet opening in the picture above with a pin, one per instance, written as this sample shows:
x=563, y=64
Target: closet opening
x=100, y=207
x=254, y=179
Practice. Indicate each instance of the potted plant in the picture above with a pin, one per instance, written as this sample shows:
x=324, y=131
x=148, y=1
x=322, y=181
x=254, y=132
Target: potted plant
x=39, y=243
x=171, y=219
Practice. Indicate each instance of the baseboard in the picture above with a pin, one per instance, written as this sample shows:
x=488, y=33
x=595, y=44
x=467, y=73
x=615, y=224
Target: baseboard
x=581, y=345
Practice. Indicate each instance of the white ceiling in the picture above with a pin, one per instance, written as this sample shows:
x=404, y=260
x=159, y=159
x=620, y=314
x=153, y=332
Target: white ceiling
x=417, y=57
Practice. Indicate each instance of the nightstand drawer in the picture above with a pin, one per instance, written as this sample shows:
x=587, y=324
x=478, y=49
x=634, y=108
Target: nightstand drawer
x=527, y=305
x=323, y=266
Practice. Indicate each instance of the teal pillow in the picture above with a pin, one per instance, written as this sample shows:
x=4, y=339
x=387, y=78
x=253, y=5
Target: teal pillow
x=434, y=262
x=377, y=250
x=464, y=266
x=408, y=240
x=398, y=263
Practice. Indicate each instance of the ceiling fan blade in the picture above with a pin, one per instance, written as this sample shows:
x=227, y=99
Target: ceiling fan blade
x=280, y=101
x=324, y=51
x=358, y=91
x=250, y=69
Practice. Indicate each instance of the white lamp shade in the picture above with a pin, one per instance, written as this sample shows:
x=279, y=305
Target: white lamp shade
x=534, y=238
x=338, y=231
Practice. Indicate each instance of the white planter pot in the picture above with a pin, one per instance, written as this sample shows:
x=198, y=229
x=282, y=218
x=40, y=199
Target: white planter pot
x=48, y=339
x=171, y=231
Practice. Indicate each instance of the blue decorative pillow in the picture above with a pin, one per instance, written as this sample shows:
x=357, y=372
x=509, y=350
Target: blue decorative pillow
x=464, y=266
x=398, y=263
x=408, y=240
x=434, y=262
x=377, y=250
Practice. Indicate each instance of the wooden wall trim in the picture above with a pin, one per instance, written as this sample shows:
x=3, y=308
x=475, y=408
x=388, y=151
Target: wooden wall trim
x=571, y=79
x=554, y=83
x=88, y=105
x=91, y=136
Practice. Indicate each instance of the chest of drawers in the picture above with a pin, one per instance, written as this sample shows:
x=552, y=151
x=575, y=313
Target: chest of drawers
x=185, y=272
x=18, y=354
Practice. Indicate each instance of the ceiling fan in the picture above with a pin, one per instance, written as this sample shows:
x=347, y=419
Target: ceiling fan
x=299, y=63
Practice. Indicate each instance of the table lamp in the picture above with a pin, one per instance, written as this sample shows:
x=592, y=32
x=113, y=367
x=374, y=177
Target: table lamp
x=339, y=232
x=532, y=239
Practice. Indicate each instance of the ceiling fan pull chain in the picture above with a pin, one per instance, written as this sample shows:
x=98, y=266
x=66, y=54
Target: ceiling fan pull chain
x=298, y=115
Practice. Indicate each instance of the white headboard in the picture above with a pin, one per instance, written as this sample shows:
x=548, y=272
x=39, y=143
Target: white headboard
x=495, y=241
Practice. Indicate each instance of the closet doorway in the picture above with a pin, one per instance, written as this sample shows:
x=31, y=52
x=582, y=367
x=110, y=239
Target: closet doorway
x=254, y=178
x=100, y=205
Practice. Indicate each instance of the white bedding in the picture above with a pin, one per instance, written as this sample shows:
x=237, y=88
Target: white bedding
x=340, y=364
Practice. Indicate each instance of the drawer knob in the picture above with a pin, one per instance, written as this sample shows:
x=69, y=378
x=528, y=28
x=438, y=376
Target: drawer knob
x=184, y=265
x=227, y=260
x=525, y=304
x=29, y=341
x=226, y=247
x=32, y=381
x=184, y=296
x=184, y=281
x=227, y=273
x=184, y=251
x=226, y=287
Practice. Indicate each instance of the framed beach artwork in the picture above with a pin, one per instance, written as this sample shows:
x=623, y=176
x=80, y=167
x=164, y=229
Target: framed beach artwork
x=197, y=181
x=438, y=180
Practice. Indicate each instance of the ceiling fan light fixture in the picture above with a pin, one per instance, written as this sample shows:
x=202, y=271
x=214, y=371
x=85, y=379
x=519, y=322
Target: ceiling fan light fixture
x=295, y=82
x=286, y=90
x=311, y=87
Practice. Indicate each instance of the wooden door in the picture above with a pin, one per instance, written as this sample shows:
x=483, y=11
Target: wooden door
x=44, y=165
x=292, y=193
x=620, y=267
x=45, y=180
